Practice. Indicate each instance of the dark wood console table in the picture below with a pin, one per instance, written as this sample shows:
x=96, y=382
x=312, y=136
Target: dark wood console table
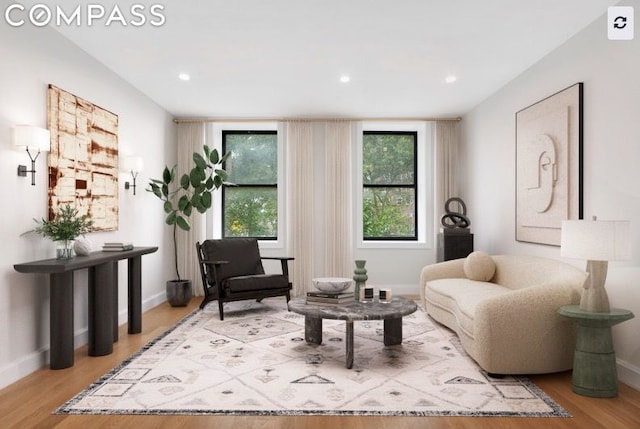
x=103, y=300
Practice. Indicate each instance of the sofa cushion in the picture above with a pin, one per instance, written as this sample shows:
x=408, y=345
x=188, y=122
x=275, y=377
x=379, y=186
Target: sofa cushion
x=461, y=297
x=479, y=266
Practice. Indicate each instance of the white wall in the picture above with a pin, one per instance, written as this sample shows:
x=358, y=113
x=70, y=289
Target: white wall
x=31, y=59
x=609, y=70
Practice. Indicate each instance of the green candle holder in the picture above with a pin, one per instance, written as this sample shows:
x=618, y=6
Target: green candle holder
x=360, y=277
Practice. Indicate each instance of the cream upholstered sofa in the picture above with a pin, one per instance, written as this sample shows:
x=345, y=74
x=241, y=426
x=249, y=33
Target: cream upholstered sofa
x=504, y=309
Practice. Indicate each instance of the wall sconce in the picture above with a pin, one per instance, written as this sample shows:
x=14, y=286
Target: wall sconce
x=133, y=165
x=33, y=138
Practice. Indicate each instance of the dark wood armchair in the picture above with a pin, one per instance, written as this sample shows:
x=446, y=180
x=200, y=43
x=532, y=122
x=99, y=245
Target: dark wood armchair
x=232, y=270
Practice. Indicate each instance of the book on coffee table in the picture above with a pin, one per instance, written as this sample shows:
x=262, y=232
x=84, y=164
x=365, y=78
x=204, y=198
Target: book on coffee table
x=317, y=294
x=329, y=297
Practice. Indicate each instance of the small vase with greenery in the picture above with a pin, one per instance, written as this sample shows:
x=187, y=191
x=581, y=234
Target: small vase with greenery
x=193, y=191
x=65, y=227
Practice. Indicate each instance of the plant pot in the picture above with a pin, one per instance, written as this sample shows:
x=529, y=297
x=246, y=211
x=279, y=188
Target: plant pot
x=64, y=249
x=179, y=292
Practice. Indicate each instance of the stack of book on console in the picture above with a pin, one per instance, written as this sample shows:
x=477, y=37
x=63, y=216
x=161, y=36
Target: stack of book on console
x=117, y=246
x=329, y=298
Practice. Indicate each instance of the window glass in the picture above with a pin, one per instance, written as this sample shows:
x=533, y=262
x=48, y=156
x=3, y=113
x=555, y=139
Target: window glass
x=389, y=185
x=250, y=205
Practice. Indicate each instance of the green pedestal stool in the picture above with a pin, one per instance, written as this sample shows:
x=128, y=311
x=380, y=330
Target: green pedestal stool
x=594, y=361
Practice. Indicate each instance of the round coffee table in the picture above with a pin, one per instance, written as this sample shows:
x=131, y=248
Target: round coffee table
x=391, y=313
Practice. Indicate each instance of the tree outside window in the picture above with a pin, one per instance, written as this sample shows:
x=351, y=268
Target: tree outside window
x=389, y=185
x=250, y=206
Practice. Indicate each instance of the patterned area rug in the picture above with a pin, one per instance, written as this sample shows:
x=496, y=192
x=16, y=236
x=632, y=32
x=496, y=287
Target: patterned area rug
x=257, y=362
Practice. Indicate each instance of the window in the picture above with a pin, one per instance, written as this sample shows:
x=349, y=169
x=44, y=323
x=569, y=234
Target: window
x=250, y=206
x=389, y=185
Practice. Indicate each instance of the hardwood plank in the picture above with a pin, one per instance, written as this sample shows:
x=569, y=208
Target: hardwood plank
x=29, y=402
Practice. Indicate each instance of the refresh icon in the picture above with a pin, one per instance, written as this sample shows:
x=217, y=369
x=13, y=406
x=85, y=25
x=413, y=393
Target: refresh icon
x=620, y=22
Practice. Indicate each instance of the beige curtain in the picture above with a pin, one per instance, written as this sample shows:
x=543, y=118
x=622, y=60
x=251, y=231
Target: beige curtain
x=338, y=199
x=300, y=198
x=191, y=138
x=446, y=138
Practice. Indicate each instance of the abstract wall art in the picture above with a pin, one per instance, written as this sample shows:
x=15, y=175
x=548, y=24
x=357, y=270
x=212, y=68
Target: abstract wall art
x=83, y=161
x=549, y=166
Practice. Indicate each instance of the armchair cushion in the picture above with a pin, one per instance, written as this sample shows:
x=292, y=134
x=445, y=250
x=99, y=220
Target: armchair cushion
x=255, y=282
x=242, y=255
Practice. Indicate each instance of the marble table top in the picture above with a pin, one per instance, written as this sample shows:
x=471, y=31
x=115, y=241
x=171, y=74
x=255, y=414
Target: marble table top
x=374, y=310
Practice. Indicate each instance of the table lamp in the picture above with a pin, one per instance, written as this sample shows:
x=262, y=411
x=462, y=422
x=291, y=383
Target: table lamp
x=598, y=242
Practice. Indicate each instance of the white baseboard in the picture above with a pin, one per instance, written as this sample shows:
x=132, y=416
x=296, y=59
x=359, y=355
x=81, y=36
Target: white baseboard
x=32, y=362
x=17, y=369
x=628, y=374
x=147, y=304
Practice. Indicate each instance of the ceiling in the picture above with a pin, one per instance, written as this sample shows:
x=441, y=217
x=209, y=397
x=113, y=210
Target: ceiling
x=284, y=58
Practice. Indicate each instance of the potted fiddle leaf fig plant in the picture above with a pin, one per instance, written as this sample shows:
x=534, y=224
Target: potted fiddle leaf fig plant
x=180, y=197
x=63, y=229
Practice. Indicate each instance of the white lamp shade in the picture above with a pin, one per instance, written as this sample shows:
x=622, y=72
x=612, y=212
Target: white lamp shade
x=35, y=138
x=596, y=240
x=132, y=164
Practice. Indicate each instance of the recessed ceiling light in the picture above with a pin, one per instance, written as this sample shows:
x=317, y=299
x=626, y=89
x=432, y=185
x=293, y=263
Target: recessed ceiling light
x=450, y=79
x=184, y=76
x=345, y=78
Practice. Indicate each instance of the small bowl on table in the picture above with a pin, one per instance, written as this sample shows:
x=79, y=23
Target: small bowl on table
x=332, y=284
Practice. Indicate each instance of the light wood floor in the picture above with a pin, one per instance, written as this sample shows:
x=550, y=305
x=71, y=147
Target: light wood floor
x=29, y=402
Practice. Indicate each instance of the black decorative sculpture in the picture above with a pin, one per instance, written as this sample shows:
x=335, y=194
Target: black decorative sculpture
x=455, y=221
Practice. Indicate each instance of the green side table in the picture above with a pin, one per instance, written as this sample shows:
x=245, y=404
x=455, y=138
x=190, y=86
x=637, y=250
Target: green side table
x=594, y=361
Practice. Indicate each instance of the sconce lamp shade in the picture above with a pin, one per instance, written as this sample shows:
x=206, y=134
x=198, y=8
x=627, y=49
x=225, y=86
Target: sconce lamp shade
x=132, y=164
x=33, y=138
x=596, y=240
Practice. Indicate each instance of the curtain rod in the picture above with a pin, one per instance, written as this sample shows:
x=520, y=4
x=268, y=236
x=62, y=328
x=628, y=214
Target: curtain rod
x=198, y=120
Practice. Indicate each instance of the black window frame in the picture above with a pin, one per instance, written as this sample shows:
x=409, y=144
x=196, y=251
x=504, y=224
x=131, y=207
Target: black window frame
x=244, y=185
x=413, y=186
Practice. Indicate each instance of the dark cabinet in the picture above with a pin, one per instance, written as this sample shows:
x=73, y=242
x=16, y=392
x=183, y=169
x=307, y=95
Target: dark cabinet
x=454, y=246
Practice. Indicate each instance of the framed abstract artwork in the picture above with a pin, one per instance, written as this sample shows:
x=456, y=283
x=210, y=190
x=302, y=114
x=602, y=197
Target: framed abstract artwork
x=549, y=166
x=83, y=161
